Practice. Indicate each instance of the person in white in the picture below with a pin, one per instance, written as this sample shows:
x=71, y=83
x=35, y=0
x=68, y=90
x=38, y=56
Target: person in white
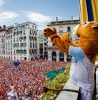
x=82, y=72
x=12, y=95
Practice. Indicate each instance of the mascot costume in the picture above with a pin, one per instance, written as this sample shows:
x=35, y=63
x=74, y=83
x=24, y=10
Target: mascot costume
x=84, y=52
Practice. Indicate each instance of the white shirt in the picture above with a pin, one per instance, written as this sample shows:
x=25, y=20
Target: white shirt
x=82, y=70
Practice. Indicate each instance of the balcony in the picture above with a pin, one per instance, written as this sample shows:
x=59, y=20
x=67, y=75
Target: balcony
x=51, y=47
x=70, y=90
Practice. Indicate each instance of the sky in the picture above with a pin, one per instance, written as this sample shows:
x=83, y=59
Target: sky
x=39, y=11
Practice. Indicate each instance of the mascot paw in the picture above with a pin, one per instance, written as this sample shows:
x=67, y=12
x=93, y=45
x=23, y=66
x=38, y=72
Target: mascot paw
x=49, y=31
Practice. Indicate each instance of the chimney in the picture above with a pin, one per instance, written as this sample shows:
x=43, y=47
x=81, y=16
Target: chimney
x=71, y=17
x=56, y=18
x=0, y=27
x=4, y=26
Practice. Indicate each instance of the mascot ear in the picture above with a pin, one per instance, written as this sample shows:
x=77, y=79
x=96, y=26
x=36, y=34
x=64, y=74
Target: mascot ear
x=75, y=30
x=54, y=29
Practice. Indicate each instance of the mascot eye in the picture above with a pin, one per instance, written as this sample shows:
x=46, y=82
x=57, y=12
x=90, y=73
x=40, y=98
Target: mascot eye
x=85, y=24
x=95, y=27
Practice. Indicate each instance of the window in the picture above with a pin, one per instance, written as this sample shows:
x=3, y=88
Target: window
x=24, y=44
x=30, y=45
x=20, y=38
x=25, y=51
x=35, y=38
x=18, y=44
x=17, y=39
x=60, y=29
x=14, y=33
x=24, y=38
x=68, y=29
x=30, y=32
x=20, y=34
x=41, y=45
x=17, y=51
x=14, y=39
x=35, y=45
x=30, y=51
x=24, y=33
x=14, y=52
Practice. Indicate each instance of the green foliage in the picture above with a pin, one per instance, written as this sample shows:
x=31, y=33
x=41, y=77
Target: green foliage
x=48, y=95
x=57, y=83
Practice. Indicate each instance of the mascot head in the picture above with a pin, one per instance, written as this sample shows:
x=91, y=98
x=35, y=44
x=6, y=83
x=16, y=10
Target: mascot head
x=88, y=38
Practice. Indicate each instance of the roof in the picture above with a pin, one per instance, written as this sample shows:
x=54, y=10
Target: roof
x=64, y=22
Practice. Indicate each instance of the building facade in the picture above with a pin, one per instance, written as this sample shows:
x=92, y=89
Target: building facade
x=20, y=41
x=2, y=41
x=24, y=41
x=42, y=45
x=62, y=27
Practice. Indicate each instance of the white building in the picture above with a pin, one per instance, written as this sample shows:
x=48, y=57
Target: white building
x=62, y=27
x=42, y=45
x=20, y=41
x=24, y=41
x=2, y=41
x=8, y=42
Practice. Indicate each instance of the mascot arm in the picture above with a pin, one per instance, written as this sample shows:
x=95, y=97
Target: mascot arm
x=61, y=42
x=66, y=45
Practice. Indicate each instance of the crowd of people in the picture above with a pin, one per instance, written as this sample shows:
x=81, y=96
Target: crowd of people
x=25, y=81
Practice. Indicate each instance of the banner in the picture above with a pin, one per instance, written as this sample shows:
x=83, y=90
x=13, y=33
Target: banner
x=89, y=10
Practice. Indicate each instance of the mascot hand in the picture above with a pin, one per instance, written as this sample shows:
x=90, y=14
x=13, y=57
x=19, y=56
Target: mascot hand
x=49, y=31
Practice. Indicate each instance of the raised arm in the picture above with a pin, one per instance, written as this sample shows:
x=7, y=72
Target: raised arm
x=61, y=42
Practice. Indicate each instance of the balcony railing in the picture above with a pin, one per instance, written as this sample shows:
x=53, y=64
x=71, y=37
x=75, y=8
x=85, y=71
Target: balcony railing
x=52, y=47
x=69, y=95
